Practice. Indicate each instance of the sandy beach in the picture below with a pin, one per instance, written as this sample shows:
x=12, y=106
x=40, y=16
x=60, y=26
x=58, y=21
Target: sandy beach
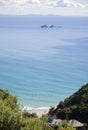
x=39, y=111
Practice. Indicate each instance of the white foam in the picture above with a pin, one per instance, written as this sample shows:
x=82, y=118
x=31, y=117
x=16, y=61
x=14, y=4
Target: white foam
x=39, y=111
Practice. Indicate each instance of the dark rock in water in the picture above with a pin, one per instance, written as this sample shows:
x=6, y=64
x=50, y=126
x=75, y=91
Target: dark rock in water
x=52, y=26
x=59, y=26
x=44, y=26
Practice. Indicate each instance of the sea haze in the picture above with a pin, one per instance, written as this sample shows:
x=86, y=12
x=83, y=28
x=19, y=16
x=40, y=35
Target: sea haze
x=43, y=65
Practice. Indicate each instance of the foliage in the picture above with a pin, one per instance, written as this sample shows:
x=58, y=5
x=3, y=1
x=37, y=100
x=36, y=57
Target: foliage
x=11, y=118
x=74, y=107
x=10, y=114
x=29, y=115
x=66, y=126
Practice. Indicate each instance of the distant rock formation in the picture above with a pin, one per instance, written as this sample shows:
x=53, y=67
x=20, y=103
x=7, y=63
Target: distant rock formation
x=51, y=26
x=60, y=26
x=44, y=26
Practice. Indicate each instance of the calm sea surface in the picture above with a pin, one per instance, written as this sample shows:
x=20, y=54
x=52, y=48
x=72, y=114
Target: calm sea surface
x=43, y=66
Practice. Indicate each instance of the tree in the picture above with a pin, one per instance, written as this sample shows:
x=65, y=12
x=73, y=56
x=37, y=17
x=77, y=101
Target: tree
x=74, y=107
x=11, y=118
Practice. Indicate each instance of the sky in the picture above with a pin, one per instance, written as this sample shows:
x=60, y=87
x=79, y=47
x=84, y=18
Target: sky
x=44, y=7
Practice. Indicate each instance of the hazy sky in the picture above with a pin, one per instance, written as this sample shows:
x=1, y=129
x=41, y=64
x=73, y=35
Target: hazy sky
x=58, y=7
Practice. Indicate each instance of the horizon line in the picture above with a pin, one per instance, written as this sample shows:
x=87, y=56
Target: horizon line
x=44, y=15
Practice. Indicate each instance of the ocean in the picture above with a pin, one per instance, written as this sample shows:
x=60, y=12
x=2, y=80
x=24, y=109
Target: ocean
x=43, y=66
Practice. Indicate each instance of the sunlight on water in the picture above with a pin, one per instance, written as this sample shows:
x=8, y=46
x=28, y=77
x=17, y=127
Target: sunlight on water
x=43, y=66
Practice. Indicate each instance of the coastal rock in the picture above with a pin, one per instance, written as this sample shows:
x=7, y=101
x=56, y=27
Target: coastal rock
x=44, y=26
x=52, y=26
x=59, y=26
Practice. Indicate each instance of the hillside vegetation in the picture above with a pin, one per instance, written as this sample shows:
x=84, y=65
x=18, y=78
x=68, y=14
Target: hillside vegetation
x=12, y=118
x=74, y=107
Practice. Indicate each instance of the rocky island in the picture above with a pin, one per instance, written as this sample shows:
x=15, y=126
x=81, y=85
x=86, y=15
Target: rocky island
x=50, y=26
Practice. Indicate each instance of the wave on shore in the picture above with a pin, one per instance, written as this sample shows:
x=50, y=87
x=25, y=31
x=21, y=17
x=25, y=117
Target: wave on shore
x=39, y=111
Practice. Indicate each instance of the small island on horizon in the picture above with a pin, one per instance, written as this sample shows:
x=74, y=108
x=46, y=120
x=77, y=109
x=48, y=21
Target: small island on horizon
x=51, y=26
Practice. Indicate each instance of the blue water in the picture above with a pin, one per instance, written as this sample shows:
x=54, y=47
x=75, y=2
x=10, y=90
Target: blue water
x=43, y=66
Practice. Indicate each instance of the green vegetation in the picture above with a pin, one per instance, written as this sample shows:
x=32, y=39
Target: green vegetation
x=60, y=126
x=12, y=118
x=74, y=107
x=66, y=126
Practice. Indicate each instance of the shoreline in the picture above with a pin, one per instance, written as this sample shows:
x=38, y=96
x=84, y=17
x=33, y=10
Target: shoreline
x=39, y=111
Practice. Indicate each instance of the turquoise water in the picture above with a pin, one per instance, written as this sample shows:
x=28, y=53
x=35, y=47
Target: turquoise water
x=43, y=66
